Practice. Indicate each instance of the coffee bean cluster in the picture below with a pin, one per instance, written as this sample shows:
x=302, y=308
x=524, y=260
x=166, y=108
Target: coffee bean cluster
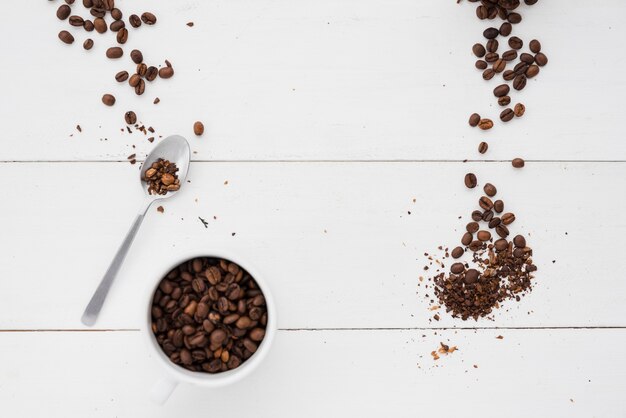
x=209, y=315
x=161, y=177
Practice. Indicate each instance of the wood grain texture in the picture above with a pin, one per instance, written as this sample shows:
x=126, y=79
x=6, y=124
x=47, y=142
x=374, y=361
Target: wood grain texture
x=321, y=80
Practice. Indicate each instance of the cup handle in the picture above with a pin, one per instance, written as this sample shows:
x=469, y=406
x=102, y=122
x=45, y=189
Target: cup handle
x=162, y=389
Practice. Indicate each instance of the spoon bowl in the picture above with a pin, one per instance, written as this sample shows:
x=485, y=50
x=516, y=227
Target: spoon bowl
x=175, y=149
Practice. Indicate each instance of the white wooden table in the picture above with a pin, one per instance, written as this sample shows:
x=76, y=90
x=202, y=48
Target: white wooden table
x=326, y=118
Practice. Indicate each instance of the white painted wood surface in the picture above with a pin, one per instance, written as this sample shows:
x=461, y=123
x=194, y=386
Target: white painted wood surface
x=326, y=119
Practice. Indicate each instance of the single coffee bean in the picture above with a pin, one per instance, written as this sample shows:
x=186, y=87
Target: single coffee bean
x=134, y=80
x=519, y=82
x=527, y=58
x=166, y=72
x=108, y=99
x=457, y=268
x=88, y=25
x=492, y=57
x=122, y=36
x=457, y=252
x=498, y=206
x=466, y=239
x=474, y=119
x=481, y=65
x=501, y=90
x=116, y=14
x=88, y=3
x=489, y=73
x=535, y=46
x=492, y=45
x=502, y=13
x=519, y=110
x=482, y=12
x=472, y=227
x=506, y=29
x=519, y=241
x=501, y=244
x=499, y=65
x=100, y=25
x=148, y=18
x=487, y=215
x=509, y=55
x=518, y=163
x=477, y=49
x=136, y=56
x=470, y=180
x=514, y=17
x=491, y=33
x=508, y=218
x=485, y=124
x=108, y=5
x=506, y=115
x=502, y=231
x=509, y=75
x=494, y=222
x=257, y=334
x=476, y=245
x=140, y=88
x=64, y=11
x=541, y=59
x=483, y=147
x=198, y=128
x=130, y=117
x=88, y=44
x=477, y=215
x=490, y=190
x=471, y=276
x=483, y=236
x=76, y=21
x=151, y=73
x=114, y=52
x=504, y=100
x=532, y=71
x=134, y=21
x=485, y=203
x=66, y=37
x=142, y=69
x=121, y=76
x=97, y=12
x=515, y=42
x=116, y=25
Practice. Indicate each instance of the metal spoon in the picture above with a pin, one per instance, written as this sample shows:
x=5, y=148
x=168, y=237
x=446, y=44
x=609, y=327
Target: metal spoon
x=173, y=148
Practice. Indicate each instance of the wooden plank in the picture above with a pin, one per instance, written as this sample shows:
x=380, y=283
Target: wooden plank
x=569, y=373
x=315, y=80
x=335, y=241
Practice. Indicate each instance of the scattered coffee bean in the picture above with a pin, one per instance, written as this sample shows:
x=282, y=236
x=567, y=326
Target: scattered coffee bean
x=519, y=241
x=481, y=65
x=491, y=33
x=483, y=236
x=142, y=69
x=151, y=73
x=122, y=36
x=492, y=45
x=108, y=99
x=148, y=18
x=519, y=82
x=519, y=110
x=483, y=147
x=130, y=117
x=117, y=25
x=76, y=21
x=100, y=25
x=485, y=124
x=466, y=239
x=532, y=71
x=472, y=227
x=541, y=59
x=457, y=268
x=116, y=14
x=527, y=58
x=506, y=115
x=134, y=21
x=487, y=215
x=535, y=46
x=166, y=72
x=114, y=52
x=485, y=203
x=515, y=42
x=494, y=222
x=514, y=17
x=504, y=100
x=121, y=76
x=508, y=75
x=509, y=55
x=198, y=128
x=134, y=80
x=501, y=90
x=506, y=29
x=489, y=73
x=140, y=88
x=457, y=252
x=470, y=180
x=490, y=190
x=88, y=25
x=88, y=44
x=474, y=119
x=66, y=37
x=64, y=11
x=492, y=57
x=518, y=163
x=502, y=231
x=508, y=218
x=498, y=206
x=499, y=65
x=477, y=49
x=136, y=56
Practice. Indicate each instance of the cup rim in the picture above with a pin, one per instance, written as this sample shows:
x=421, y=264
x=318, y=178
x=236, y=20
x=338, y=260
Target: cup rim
x=208, y=379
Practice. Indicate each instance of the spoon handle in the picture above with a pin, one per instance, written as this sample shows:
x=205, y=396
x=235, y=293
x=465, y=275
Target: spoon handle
x=97, y=300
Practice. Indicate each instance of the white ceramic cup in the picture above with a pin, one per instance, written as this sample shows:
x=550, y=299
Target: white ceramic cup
x=174, y=374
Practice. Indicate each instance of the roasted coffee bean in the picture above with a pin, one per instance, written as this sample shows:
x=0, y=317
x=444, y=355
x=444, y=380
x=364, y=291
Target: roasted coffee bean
x=494, y=222
x=506, y=115
x=457, y=268
x=457, y=252
x=100, y=25
x=532, y=71
x=121, y=76
x=519, y=241
x=483, y=236
x=122, y=36
x=140, y=88
x=257, y=334
x=134, y=21
x=97, y=12
x=502, y=231
x=88, y=25
x=116, y=25
x=114, y=52
x=527, y=58
x=501, y=90
x=134, y=80
x=519, y=110
x=166, y=72
x=519, y=82
x=515, y=42
x=136, y=56
x=108, y=99
x=501, y=244
x=518, y=163
x=116, y=14
x=470, y=180
x=477, y=49
x=508, y=75
x=508, y=218
x=477, y=215
x=152, y=73
x=64, y=11
x=472, y=227
x=76, y=21
x=142, y=69
x=471, y=276
x=476, y=245
x=485, y=203
x=514, y=17
x=481, y=65
x=148, y=18
x=498, y=206
x=492, y=57
x=491, y=33
x=490, y=190
x=492, y=45
x=485, y=124
x=198, y=128
x=535, y=46
x=506, y=29
x=541, y=59
x=466, y=239
x=483, y=147
x=474, y=119
x=499, y=65
x=509, y=55
x=88, y=44
x=130, y=117
x=504, y=100
x=488, y=74
x=88, y=3
x=66, y=37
